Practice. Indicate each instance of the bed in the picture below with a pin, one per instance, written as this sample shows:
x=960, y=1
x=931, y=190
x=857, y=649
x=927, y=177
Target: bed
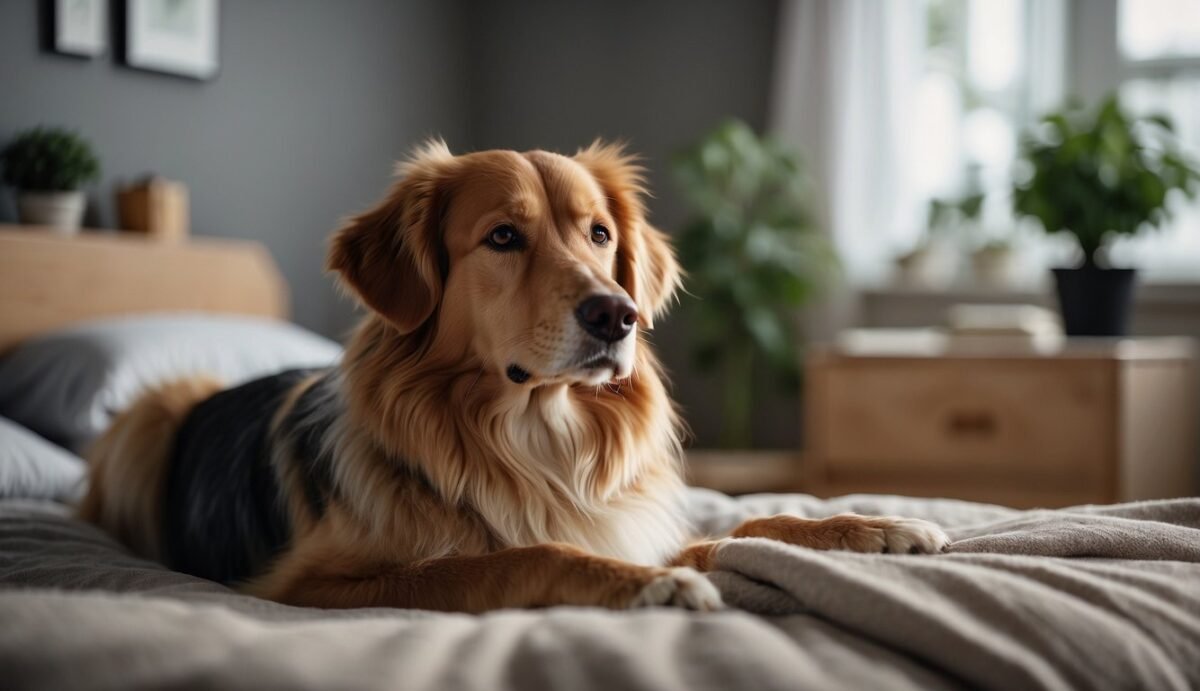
x=1087, y=597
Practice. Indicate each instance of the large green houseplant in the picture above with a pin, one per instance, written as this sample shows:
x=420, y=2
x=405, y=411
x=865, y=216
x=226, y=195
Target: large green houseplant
x=47, y=166
x=752, y=258
x=1096, y=174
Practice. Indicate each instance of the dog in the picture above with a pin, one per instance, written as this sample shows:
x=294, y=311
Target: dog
x=498, y=433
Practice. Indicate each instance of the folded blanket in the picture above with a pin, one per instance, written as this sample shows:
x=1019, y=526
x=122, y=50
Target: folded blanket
x=1164, y=530
x=1093, y=597
x=1006, y=608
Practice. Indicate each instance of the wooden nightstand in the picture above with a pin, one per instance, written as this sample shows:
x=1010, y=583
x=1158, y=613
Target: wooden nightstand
x=1095, y=421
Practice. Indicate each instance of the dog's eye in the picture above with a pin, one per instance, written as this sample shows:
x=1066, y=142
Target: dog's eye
x=504, y=238
x=599, y=234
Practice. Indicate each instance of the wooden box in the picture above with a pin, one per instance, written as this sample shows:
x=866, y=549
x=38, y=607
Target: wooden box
x=157, y=207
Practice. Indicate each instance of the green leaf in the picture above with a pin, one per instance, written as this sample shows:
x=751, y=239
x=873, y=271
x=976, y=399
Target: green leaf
x=1162, y=121
x=750, y=250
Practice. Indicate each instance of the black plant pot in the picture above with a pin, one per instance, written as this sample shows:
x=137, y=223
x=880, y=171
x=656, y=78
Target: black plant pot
x=1094, y=301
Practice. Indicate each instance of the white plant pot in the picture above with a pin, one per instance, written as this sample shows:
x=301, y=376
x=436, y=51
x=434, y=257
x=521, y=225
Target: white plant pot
x=928, y=266
x=993, y=267
x=61, y=211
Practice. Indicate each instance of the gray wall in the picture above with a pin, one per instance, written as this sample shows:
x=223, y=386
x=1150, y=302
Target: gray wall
x=553, y=74
x=314, y=101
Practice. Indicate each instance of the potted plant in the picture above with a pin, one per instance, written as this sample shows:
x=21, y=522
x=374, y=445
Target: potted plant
x=927, y=265
x=931, y=263
x=47, y=166
x=752, y=258
x=992, y=262
x=1096, y=174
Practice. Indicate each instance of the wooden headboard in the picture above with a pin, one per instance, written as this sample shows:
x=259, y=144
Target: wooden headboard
x=49, y=280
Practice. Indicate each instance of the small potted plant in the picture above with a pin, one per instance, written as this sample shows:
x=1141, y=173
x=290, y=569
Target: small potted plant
x=1097, y=174
x=992, y=262
x=752, y=258
x=931, y=263
x=47, y=166
x=928, y=264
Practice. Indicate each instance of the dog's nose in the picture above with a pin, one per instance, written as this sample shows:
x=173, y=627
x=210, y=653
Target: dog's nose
x=607, y=317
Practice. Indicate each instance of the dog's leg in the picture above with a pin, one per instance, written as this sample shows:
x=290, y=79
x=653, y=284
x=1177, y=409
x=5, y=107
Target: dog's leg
x=849, y=531
x=699, y=555
x=536, y=576
x=845, y=531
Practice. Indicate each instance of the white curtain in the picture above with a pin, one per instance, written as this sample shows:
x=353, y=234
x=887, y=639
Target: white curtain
x=845, y=82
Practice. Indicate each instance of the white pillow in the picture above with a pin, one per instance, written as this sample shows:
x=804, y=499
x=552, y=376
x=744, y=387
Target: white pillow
x=68, y=385
x=33, y=468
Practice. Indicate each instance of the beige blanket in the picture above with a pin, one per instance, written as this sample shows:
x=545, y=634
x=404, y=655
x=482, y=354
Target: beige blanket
x=1086, y=598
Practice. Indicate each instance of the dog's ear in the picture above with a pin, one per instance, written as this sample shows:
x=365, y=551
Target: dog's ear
x=390, y=257
x=646, y=265
x=649, y=272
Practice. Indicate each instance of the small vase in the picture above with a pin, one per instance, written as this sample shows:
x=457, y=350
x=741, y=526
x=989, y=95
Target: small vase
x=60, y=211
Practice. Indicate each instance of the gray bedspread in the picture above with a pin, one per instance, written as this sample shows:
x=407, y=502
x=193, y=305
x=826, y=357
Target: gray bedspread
x=1093, y=597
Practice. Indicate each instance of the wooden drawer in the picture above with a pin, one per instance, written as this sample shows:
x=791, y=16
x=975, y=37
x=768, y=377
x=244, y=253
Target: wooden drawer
x=1024, y=417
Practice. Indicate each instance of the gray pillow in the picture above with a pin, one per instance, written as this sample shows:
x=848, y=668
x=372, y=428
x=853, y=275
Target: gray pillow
x=68, y=385
x=33, y=468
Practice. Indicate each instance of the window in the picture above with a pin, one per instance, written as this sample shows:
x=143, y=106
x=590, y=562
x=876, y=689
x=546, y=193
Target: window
x=992, y=67
x=1157, y=46
x=978, y=89
x=1159, y=29
x=989, y=69
x=898, y=103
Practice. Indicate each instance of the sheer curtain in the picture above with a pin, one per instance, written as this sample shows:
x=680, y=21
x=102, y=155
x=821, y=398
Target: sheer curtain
x=845, y=81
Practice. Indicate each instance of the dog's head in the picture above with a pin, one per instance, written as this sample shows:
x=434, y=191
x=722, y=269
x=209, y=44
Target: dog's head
x=540, y=266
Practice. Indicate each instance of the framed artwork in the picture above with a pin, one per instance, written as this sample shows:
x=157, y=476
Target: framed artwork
x=80, y=27
x=173, y=36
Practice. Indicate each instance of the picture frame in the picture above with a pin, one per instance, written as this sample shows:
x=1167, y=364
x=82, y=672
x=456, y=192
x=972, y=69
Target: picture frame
x=80, y=28
x=178, y=37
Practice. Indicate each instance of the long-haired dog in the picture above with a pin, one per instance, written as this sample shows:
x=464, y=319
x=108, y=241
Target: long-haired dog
x=498, y=433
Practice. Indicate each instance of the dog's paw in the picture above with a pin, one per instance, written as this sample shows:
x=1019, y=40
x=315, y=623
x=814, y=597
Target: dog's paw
x=894, y=535
x=680, y=587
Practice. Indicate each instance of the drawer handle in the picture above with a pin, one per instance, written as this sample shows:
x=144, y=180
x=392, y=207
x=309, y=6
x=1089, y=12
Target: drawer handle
x=964, y=423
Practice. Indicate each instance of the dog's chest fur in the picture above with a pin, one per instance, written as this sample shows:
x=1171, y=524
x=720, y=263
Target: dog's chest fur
x=636, y=529
x=540, y=479
x=639, y=527
x=608, y=500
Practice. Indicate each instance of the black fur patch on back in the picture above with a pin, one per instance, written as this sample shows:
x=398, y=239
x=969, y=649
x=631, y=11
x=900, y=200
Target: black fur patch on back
x=224, y=516
x=304, y=430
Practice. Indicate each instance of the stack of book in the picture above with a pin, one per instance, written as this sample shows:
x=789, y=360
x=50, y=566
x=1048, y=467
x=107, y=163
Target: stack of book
x=969, y=329
x=1003, y=328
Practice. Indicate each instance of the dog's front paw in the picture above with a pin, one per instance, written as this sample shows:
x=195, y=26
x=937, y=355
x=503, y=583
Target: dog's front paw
x=893, y=535
x=680, y=587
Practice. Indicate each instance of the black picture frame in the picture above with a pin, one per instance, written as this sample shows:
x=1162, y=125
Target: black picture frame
x=77, y=28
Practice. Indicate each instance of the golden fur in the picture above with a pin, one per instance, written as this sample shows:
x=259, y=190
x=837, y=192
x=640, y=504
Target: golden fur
x=459, y=487
x=128, y=464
